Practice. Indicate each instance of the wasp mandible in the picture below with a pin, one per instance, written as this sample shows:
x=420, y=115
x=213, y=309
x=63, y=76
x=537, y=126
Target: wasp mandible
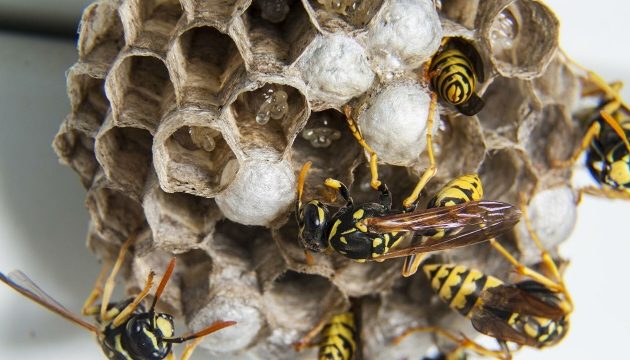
x=124, y=329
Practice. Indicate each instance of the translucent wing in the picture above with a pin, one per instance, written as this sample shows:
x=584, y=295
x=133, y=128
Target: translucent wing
x=473, y=222
x=527, y=297
x=487, y=322
x=25, y=286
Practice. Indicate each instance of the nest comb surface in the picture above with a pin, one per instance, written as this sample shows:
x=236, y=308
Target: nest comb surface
x=191, y=118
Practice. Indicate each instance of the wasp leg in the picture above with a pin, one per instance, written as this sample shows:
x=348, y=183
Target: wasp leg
x=608, y=193
x=307, y=340
x=111, y=279
x=189, y=348
x=592, y=131
x=412, y=263
x=385, y=197
x=461, y=342
x=88, y=306
x=124, y=315
x=341, y=188
x=409, y=204
x=375, y=182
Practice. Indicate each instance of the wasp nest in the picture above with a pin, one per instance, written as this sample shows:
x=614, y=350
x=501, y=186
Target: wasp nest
x=193, y=117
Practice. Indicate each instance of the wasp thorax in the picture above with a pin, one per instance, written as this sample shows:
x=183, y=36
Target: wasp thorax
x=313, y=224
x=145, y=333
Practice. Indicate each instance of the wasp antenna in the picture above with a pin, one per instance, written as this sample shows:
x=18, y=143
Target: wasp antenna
x=614, y=124
x=163, y=282
x=209, y=330
x=302, y=179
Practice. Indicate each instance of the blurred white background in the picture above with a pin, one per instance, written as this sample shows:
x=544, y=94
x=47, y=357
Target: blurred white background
x=43, y=221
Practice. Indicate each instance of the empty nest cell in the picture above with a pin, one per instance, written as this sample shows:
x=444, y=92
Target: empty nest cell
x=140, y=91
x=88, y=101
x=101, y=36
x=125, y=155
x=504, y=173
x=204, y=60
x=347, y=15
x=76, y=149
x=150, y=23
x=191, y=155
x=268, y=116
x=280, y=42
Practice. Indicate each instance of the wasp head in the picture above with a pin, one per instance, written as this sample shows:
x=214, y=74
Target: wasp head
x=313, y=219
x=146, y=333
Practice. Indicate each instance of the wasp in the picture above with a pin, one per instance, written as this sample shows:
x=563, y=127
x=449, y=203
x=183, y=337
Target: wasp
x=124, y=330
x=340, y=335
x=606, y=142
x=533, y=312
x=370, y=231
x=454, y=73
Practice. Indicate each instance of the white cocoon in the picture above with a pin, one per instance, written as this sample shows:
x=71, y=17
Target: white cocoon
x=260, y=192
x=404, y=35
x=336, y=69
x=394, y=124
x=553, y=215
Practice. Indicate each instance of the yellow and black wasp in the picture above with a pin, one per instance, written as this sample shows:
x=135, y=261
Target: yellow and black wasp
x=340, y=335
x=370, y=231
x=533, y=312
x=454, y=73
x=606, y=142
x=125, y=330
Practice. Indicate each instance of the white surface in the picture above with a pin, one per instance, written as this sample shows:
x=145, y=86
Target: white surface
x=43, y=221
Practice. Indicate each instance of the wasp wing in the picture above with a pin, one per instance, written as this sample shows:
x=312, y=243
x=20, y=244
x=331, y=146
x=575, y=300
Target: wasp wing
x=490, y=323
x=25, y=286
x=472, y=222
x=527, y=297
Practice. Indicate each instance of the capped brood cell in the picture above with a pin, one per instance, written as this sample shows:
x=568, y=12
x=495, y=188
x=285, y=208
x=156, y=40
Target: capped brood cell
x=268, y=115
x=192, y=154
x=273, y=45
x=150, y=24
x=125, y=155
x=140, y=91
x=101, y=36
x=203, y=60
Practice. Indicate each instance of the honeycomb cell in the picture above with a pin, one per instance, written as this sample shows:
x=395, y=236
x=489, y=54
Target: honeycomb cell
x=150, y=24
x=459, y=148
x=504, y=173
x=157, y=262
x=346, y=15
x=215, y=11
x=101, y=36
x=140, y=91
x=283, y=106
x=88, y=101
x=508, y=102
x=125, y=155
x=76, y=149
x=232, y=242
x=522, y=36
x=113, y=213
x=461, y=11
x=178, y=221
x=273, y=45
x=558, y=84
x=192, y=154
x=204, y=60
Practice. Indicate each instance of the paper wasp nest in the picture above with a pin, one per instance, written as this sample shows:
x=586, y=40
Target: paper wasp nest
x=193, y=117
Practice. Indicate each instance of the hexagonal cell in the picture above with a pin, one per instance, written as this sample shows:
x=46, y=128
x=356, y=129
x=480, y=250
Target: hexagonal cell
x=461, y=11
x=179, y=222
x=204, y=60
x=268, y=116
x=140, y=91
x=125, y=155
x=360, y=279
x=522, y=36
x=113, y=213
x=216, y=11
x=558, y=84
x=298, y=301
x=345, y=15
x=192, y=155
x=327, y=141
x=508, y=101
x=459, y=147
x=398, y=179
x=276, y=44
x=150, y=24
x=549, y=136
x=504, y=173
x=234, y=242
x=88, y=100
x=157, y=262
x=75, y=149
x=101, y=36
